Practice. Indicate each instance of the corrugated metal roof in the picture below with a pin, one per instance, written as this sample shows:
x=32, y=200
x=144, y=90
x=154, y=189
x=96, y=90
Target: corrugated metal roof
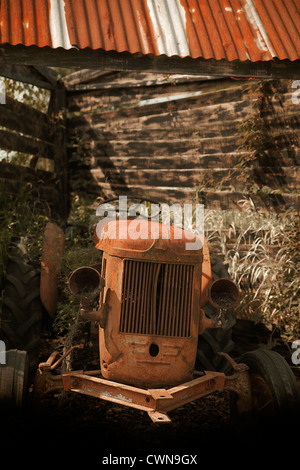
x=212, y=29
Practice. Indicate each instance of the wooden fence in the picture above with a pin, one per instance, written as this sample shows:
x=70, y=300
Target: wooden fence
x=38, y=134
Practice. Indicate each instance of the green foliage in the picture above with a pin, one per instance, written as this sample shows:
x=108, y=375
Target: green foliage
x=79, y=251
x=21, y=217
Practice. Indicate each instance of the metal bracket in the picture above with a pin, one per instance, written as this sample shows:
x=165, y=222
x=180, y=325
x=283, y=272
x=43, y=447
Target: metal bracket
x=45, y=380
x=156, y=402
x=239, y=383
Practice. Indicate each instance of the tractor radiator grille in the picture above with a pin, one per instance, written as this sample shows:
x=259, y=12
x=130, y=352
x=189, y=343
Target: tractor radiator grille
x=156, y=298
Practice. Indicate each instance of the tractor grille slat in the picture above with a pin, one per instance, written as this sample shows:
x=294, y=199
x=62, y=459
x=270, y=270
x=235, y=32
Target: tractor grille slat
x=156, y=298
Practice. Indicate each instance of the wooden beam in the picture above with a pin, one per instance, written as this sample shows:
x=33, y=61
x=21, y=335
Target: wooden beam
x=23, y=118
x=86, y=58
x=50, y=75
x=27, y=74
x=115, y=80
x=57, y=107
x=21, y=143
x=84, y=76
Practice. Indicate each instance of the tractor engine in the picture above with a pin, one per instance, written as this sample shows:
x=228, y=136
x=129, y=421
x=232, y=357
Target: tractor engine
x=151, y=295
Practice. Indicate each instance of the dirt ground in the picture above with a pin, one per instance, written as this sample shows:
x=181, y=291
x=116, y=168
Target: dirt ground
x=84, y=426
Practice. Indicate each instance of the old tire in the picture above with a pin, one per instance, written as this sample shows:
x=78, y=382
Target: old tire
x=14, y=379
x=22, y=310
x=275, y=391
x=215, y=340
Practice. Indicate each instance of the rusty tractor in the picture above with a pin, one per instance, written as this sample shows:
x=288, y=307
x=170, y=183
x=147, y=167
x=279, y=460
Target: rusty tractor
x=153, y=301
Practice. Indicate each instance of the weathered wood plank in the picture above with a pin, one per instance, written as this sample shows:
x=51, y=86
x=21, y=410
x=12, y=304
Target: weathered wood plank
x=217, y=160
x=22, y=118
x=283, y=133
x=178, y=146
x=158, y=118
x=57, y=105
x=131, y=96
x=222, y=200
x=20, y=143
x=27, y=74
x=10, y=170
x=85, y=76
x=175, y=144
x=232, y=98
x=44, y=56
x=89, y=79
x=221, y=177
x=164, y=132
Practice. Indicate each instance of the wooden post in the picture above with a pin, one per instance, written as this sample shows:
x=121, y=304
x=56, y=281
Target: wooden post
x=57, y=110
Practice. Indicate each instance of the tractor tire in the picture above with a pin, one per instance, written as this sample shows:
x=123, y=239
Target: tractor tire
x=215, y=340
x=22, y=310
x=274, y=387
x=14, y=380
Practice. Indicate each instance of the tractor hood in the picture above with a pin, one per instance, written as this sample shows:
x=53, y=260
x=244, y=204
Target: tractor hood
x=149, y=240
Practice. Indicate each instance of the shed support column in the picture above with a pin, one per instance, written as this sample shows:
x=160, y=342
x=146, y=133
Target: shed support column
x=57, y=109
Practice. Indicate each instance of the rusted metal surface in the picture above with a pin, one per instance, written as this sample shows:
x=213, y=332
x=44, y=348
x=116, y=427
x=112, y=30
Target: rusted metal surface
x=172, y=296
x=219, y=29
x=149, y=310
x=157, y=402
x=151, y=331
x=45, y=381
x=239, y=383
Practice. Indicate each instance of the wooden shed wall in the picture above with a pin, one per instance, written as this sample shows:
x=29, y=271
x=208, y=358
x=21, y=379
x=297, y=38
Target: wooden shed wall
x=172, y=137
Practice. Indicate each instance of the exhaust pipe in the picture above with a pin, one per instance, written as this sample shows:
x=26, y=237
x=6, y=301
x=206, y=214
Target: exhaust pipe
x=224, y=294
x=85, y=283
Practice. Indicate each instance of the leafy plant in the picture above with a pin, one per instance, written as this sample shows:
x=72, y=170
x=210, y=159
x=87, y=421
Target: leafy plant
x=79, y=251
x=21, y=216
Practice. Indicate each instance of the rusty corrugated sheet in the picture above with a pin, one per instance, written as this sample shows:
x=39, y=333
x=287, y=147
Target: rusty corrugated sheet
x=212, y=29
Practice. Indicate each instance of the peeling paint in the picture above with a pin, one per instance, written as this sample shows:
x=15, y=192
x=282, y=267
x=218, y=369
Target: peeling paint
x=168, y=26
x=262, y=39
x=58, y=25
x=116, y=397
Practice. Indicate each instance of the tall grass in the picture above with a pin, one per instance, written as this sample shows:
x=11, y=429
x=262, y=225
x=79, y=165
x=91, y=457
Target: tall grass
x=262, y=254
